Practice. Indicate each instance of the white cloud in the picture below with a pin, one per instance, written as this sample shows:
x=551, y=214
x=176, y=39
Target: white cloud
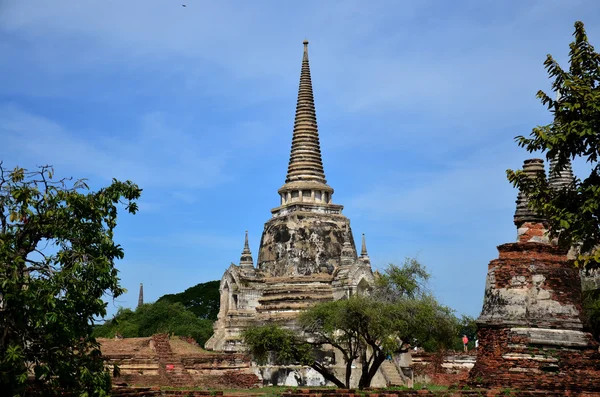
x=155, y=155
x=461, y=192
x=366, y=58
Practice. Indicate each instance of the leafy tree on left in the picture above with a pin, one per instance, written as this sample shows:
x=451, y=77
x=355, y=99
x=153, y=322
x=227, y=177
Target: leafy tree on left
x=57, y=260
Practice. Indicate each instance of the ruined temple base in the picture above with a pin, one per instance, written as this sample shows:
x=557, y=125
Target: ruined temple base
x=531, y=336
x=446, y=393
x=537, y=359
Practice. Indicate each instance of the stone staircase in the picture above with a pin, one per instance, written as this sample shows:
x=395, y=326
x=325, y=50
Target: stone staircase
x=293, y=294
x=390, y=373
x=170, y=366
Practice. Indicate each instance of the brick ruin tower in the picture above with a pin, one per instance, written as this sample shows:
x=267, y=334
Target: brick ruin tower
x=531, y=333
x=307, y=253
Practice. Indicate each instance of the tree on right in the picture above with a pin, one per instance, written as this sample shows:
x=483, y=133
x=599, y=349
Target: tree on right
x=573, y=211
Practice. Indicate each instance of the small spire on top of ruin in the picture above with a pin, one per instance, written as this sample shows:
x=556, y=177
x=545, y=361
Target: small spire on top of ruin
x=348, y=255
x=246, y=245
x=364, y=256
x=141, y=296
x=560, y=178
x=531, y=168
x=363, y=251
x=531, y=226
x=246, y=258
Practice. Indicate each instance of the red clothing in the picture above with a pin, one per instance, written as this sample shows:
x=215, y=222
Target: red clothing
x=465, y=340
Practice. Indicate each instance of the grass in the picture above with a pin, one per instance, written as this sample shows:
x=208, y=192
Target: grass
x=419, y=386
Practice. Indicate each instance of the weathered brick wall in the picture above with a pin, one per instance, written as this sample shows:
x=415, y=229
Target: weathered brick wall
x=506, y=357
x=136, y=370
x=165, y=367
x=191, y=393
x=221, y=371
x=531, y=336
x=506, y=392
x=443, y=369
x=532, y=284
x=147, y=392
x=229, y=380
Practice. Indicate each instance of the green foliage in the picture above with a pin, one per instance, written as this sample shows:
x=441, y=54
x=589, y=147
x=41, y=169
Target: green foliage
x=153, y=318
x=573, y=212
x=408, y=280
x=466, y=326
x=591, y=309
x=284, y=344
x=364, y=328
x=57, y=259
x=202, y=299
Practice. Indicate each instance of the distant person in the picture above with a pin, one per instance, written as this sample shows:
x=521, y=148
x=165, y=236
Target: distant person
x=465, y=341
x=476, y=344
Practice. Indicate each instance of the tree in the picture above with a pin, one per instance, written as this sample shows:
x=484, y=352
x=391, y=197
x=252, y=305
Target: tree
x=573, y=212
x=467, y=325
x=364, y=329
x=202, y=299
x=154, y=318
x=57, y=261
x=591, y=308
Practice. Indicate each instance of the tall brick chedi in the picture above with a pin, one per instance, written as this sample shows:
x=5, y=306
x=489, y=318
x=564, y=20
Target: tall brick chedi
x=531, y=333
x=307, y=253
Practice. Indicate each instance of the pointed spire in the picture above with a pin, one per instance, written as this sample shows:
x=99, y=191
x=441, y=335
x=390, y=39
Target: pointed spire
x=246, y=258
x=523, y=213
x=246, y=245
x=348, y=255
x=364, y=256
x=363, y=251
x=563, y=177
x=305, y=158
x=531, y=226
x=560, y=178
x=141, y=296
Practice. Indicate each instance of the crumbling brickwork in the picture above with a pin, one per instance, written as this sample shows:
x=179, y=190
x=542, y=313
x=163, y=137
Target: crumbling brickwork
x=442, y=368
x=513, y=356
x=531, y=334
x=452, y=392
x=161, y=361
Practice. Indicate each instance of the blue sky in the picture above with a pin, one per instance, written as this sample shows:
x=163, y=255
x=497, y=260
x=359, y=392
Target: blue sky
x=417, y=103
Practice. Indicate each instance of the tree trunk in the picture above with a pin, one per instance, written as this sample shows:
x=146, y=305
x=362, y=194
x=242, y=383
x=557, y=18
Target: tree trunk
x=328, y=375
x=364, y=370
x=348, y=372
x=369, y=372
